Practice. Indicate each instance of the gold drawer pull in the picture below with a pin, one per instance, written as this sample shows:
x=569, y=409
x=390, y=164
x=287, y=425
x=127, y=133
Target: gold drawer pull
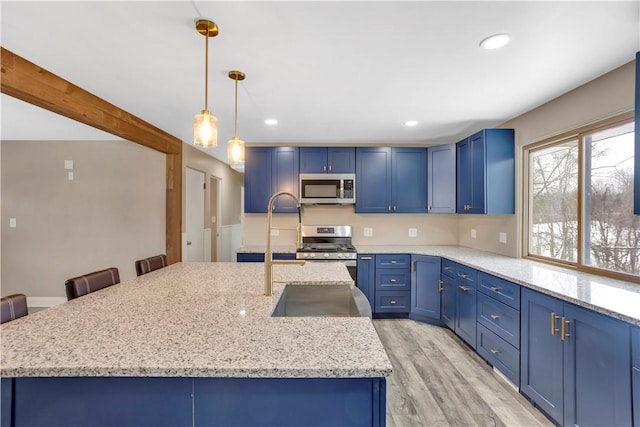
x=464, y=288
x=494, y=351
x=393, y=280
x=365, y=258
x=495, y=316
x=392, y=302
x=440, y=285
x=495, y=288
x=554, y=323
x=393, y=261
x=448, y=268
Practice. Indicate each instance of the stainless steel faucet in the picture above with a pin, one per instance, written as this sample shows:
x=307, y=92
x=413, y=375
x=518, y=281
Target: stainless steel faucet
x=268, y=261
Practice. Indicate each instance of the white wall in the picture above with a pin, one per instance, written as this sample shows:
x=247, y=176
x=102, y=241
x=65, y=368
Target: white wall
x=110, y=215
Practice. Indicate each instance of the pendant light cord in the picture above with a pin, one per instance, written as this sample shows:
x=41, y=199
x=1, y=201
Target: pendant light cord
x=206, y=70
x=236, y=110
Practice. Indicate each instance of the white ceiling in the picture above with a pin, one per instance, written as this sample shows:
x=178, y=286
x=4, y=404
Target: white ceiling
x=330, y=72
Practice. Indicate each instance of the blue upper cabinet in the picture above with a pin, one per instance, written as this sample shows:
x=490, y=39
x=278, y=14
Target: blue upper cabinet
x=267, y=171
x=327, y=160
x=441, y=179
x=391, y=180
x=373, y=179
x=636, y=185
x=486, y=173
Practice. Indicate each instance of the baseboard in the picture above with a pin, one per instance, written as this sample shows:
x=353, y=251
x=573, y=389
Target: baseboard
x=45, y=301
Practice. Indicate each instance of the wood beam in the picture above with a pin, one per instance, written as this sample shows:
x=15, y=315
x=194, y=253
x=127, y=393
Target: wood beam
x=26, y=81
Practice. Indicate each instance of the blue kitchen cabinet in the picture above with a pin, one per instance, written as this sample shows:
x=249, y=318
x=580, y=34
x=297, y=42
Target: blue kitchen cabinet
x=366, y=276
x=259, y=256
x=327, y=159
x=441, y=179
x=425, y=288
x=485, y=178
x=635, y=374
x=391, y=180
x=393, y=283
x=575, y=362
x=636, y=180
x=267, y=171
x=459, y=297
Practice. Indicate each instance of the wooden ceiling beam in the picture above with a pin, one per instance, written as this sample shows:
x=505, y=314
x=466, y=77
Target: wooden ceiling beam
x=26, y=81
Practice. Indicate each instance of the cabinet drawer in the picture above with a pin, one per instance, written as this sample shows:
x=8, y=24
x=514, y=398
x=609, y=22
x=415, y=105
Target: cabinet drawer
x=392, y=301
x=466, y=275
x=389, y=279
x=499, y=353
x=449, y=268
x=500, y=289
x=501, y=319
x=393, y=261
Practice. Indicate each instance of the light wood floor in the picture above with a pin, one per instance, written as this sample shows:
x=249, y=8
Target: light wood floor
x=438, y=381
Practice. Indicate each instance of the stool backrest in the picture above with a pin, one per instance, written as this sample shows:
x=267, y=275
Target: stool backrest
x=13, y=307
x=91, y=282
x=147, y=265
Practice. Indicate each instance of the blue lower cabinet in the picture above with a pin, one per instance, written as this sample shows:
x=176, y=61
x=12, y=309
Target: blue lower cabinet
x=575, y=363
x=635, y=374
x=175, y=402
x=503, y=320
x=366, y=277
x=499, y=353
x=448, y=301
x=425, y=288
x=259, y=256
x=392, y=301
x=466, y=309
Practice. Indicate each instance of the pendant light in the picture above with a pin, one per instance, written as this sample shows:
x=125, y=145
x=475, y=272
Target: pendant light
x=235, y=147
x=205, y=125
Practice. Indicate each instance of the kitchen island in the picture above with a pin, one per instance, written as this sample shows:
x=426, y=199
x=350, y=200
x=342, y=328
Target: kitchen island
x=193, y=344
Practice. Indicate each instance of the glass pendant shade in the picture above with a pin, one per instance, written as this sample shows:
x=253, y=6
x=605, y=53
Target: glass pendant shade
x=235, y=151
x=205, y=129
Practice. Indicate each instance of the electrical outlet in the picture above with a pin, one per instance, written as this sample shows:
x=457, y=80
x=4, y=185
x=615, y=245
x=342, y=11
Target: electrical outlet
x=503, y=237
x=275, y=232
x=68, y=164
x=413, y=232
x=70, y=176
x=473, y=233
x=12, y=223
x=368, y=232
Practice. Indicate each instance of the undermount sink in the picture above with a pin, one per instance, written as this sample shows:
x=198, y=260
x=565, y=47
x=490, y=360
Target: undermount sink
x=323, y=301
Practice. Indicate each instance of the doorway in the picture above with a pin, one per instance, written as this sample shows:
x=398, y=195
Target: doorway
x=194, y=215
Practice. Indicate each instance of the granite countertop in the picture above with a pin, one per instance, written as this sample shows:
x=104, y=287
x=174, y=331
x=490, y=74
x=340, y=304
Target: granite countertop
x=194, y=320
x=616, y=298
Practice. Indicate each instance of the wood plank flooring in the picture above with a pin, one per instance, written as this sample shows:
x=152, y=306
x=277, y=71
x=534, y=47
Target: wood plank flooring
x=438, y=380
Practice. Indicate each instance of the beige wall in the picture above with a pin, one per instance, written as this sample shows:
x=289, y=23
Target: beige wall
x=111, y=214
x=230, y=187
x=606, y=96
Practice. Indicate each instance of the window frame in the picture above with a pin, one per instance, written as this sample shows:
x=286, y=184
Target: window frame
x=527, y=187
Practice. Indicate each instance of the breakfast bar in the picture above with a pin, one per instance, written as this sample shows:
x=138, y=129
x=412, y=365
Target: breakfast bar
x=194, y=344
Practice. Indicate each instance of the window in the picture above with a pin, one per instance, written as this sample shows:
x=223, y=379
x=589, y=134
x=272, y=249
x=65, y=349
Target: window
x=580, y=200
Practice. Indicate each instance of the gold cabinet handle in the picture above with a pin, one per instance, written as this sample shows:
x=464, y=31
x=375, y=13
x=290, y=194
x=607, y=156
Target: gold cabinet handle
x=495, y=288
x=393, y=261
x=493, y=351
x=389, y=208
x=392, y=302
x=495, y=316
x=440, y=285
x=554, y=323
x=564, y=334
x=393, y=280
x=464, y=288
x=329, y=168
x=464, y=276
x=366, y=258
x=428, y=207
x=448, y=268
x=324, y=168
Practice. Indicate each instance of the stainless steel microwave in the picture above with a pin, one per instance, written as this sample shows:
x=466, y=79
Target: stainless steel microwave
x=328, y=188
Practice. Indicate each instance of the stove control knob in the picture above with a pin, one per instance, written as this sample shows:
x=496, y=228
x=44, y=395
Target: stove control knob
x=312, y=255
x=326, y=255
x=305, y=255
x=340, y=255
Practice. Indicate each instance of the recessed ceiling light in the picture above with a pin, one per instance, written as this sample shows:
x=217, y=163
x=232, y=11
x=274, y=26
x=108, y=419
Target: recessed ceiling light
x=271, y=122
x=411, y=123
x=495, y=41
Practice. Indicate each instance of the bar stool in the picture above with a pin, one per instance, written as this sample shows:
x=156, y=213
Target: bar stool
x=13, y=307
x=91, y=282
x=147, y=265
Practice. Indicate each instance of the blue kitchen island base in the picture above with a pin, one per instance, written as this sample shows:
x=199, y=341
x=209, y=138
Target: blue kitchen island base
x=147, y=401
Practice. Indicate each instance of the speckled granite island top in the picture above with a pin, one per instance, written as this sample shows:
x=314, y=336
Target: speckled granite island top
x=616, y=298
x=194, y=320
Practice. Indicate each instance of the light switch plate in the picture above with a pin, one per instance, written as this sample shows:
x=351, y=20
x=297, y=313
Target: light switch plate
x=68, y=164
x=368, y=232
x=413, y=232
x=503, y=237
x=473, y=233
x=12, y=223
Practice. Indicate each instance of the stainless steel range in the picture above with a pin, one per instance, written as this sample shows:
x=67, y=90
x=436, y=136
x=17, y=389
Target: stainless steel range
x=328, y=243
